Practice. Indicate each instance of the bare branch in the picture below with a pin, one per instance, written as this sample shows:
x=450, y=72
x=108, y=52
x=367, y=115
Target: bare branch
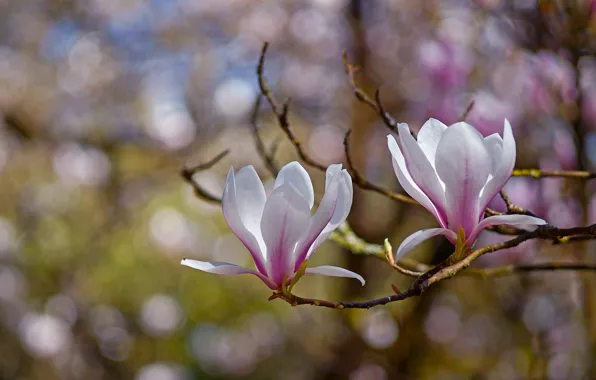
x=281, y=112
x=187, y=174
x=365, y=98
x=536, y=173
x=391, y=260
x=448, y=269
x=513, y=208
x=425, y=275
x=388, y=120
x=467, y=111
x=524, y=268
x=363, y=183
x=261, y=150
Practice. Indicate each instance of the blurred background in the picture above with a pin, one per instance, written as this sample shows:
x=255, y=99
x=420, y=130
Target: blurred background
x=102, y=102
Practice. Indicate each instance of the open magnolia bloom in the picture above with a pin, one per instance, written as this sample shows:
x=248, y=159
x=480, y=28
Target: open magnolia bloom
x=454, y=172
x=278, y=230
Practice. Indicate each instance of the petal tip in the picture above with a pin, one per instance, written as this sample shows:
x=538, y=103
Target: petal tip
x=403, y=127
x=506, y=126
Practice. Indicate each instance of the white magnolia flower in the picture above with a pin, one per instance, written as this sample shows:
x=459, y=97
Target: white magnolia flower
x=278, y=230
x=454, y=172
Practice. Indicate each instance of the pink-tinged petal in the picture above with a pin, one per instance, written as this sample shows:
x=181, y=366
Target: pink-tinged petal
x=418, y=237
x=295, y=175
x=406, y=181
x=345, y=194
x=241, y=216
x=321, y=219
x=463, y=164
x=510, y=220
x=421, y=170
x=328, y=270
x=285, y=220
x=504, y=168
x=250, y=197
x=429, y=136
x=494, y=145
x=226, y=268
x=341, y=212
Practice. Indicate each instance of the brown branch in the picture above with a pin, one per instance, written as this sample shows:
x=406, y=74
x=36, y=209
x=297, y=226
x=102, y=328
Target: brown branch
x=345, y=237
x=281, y=112
x=187, y=173
x=540, y=267
x=391, y=260
x=512, y=208
x=391, y=123
x=363, y=183
x=274, y=147
x=388, y=120
x=426, y=276
x=362, y=96
x=261, y=150
x=467, y=111
x=536, y=173
x=448, y=269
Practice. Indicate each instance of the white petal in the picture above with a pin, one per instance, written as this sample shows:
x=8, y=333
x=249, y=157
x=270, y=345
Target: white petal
x=251, y=197
x=429, y=136
x=511, y=220
x=295, y=175
x=504, y=168
x=406, y=181
x=463, y=163
x=332, y=171
x=285, y=221
x=321, y=219
x=344, y=196
x=225, y=268
x=421, y=170
x=494, y=145
x=418, y=237
x=240, y=214
x=332, y=271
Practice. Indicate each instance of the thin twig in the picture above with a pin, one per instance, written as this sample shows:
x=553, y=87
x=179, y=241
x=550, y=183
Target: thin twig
x=512, y=208
x=447, y=269
x=467, y=111
x=365, y=98
x=347, y=238
x=363, y=183
x=388, y=120
x=391, y=123
x=281, y=112
x=391, y=260
x=274, y=147
x=426, y=275
x=187, y=173
x=540, y=267
x=261, y=150
x=536, y=173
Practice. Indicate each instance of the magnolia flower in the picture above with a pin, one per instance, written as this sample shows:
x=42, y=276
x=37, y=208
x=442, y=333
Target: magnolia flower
x=454, y=173
x=278, y=229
